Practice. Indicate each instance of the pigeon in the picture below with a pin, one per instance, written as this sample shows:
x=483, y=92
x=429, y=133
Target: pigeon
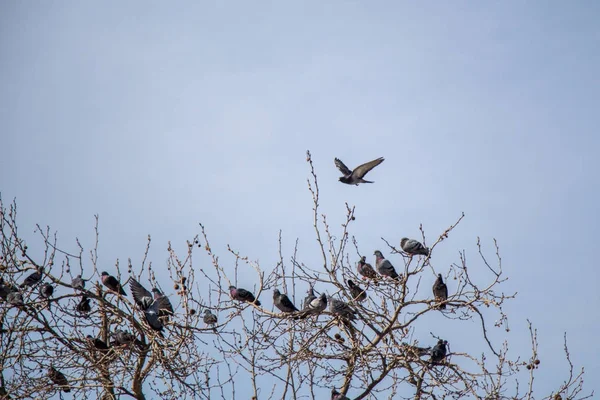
x=152, y=314
x=98, y=343
x=335, y=395
x=310, y=297
x=78, y=282
x=416, y=351
x=5, y=289
x=342, y=309
x=112, y=283
x=385, y=267
x=124, y=338
x=15, y=299
x=84, y=305
x=440, y=291
x=358, y=294
x=315, y=307
x=142, y=297
x=283, y=302
x=165, y=307
x=59, y=379
x=366, y=270
x=46, y=290
x=242, y=295
x=412, y=247
x=439, y=351
x=355, y=177
x=209, y=317
x=34, y=278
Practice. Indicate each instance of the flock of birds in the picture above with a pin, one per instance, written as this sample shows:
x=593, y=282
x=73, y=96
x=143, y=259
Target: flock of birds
x=157, y=308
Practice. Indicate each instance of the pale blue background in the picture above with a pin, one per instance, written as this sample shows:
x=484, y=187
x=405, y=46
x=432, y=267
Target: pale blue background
x=160, y=115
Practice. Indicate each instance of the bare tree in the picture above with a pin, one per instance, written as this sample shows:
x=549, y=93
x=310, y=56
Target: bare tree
x=362, y=345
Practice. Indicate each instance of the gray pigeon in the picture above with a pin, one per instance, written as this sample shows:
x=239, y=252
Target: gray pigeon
x=5, y=289
x=366, y=270
x=438, y=353
x=15, y=299
x=78, y=282
x=283, y=302
x=355, y=177
x=59, y=379
x=84, y=305
x=46, y=290
x=242, y=295
x=335, y=395
x=142, y=297
x=358, y=294
x=124, y=338
x=34, y=278
x=440, y=291
x=165, y=306
x=112, y=283
x=310, y=297
x=385, y=267
x=342, y=309
x=315, y=307
x=209, y=317
x=98, y=343
x=412, y=247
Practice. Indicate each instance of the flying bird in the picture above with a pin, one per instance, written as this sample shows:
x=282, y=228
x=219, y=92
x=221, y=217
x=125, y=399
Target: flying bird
x=242, y=295
x=142, y=297
x=112, y=283
x=356, y=176
x=310, y=297
x=59, y=379
x=385, y=267
x=165, y=307
x=358, y=294
x=150, y=305
x=438, y=353
x=283, y=302
x=335, y=395
x=34, y=278
x=440, y=291
x=366, y=270
x=412, y=247
x=315, y=307
x=78, y=282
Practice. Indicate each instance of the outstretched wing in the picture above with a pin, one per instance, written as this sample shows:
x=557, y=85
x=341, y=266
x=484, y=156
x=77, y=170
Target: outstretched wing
x=142, y=297
x=360, y=171
x=342, y=167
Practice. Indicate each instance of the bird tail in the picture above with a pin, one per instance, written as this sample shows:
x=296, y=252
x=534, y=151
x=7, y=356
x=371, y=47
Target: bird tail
x=364, y=181
x=257, y=302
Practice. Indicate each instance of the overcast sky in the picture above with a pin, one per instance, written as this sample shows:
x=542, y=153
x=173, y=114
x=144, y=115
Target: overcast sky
x=161, y=115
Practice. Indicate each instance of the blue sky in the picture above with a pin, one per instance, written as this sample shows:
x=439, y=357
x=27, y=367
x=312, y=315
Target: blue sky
x=158, y=116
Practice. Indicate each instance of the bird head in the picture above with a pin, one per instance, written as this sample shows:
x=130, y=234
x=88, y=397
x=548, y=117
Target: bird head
x=350, y=283
x=104, y=273
x=276, y=292
x=377, y=253
x=232, y=287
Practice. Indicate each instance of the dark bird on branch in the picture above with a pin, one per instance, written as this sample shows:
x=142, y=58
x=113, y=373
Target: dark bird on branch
x=358, y=294
x=112, y=283
x=440, y=291
x=438, y=353
x=6, y=289
x=59, y=379
x=242, y=295
x=78, y=282
x=46, y=290
x=384, y=267
x=356, y=176
x=84, y=305
x=335, y=395
x=315, y=307
x=98, y=344
x=34, y=278
x=283, y=302
x=366, y=270
x=210, y=318
x=412, y=247
x=341, y=309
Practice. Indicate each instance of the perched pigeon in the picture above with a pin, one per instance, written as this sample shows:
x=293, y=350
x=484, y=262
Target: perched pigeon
x=355, y=177
x=124, y=338
x=342, y=309
x=84, y=305
x=315, y=307
x=416, y=351
x=242, y=295
x=335, y=395
x=438, y=353
x=15, y=299
x=209, y=317
x=165, y=307
x=34, y=278
x=283, y=302
x=5, y=289
x=366, y=270
x=358, y=294
x=78, y=282
x=440, y=291
x=310, y=297
x=142, y=297
x=385, y=267
x=412, y=247
x=112, y=283
x=59, y=379
x=46, y=290
x=98, y=343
